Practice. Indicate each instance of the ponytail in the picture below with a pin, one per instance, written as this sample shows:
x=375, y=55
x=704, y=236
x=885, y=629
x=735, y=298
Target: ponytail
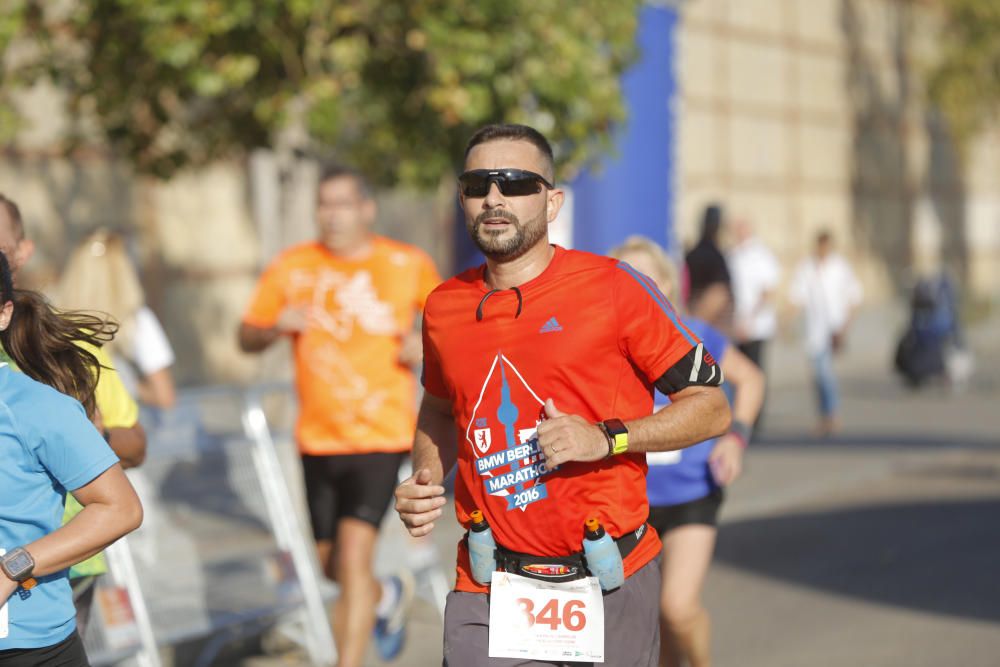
x=46, y=344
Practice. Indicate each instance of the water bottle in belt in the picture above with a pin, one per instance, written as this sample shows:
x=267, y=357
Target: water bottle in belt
x=604, y=560
x=482, y=556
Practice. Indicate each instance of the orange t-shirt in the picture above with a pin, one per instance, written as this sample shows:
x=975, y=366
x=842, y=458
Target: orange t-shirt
x=354, y=395
x=594, y=335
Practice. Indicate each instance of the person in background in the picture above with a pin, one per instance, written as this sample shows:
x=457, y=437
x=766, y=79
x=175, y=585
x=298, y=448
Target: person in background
x=116, y=414
x=710, y=289
x=685, y=487
x=100, y=276
x=827, y=292
x=49, y=447
x=349, y=302
x=756, y=273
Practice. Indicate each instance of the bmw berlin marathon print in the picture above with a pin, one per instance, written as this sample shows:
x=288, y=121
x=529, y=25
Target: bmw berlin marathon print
x=513, y=471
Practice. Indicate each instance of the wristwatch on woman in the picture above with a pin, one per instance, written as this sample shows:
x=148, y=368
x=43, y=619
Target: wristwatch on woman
x=18, y=565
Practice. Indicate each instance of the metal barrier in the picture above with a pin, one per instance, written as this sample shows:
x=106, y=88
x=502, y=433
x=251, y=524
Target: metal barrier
x=223, y=551
x=119, y=628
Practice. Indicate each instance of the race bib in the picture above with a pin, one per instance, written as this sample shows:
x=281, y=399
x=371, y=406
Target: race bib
x=541, y=620
x=4, y=623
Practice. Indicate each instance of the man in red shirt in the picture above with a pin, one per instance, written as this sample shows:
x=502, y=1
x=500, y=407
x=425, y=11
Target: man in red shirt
x=538, y=376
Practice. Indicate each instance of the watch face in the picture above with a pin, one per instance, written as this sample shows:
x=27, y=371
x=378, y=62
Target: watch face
x=615, y=426
x=18, y=562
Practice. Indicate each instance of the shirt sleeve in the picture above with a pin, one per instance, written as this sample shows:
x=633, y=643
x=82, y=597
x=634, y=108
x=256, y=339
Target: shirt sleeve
x=655, y=339
x=431, y=376
x=772, y=271
x=268, y=299
x=152, y=351
x=799, y=287
x=427, y=279
x=853, y=293
x=68, y=445
x=118, y=408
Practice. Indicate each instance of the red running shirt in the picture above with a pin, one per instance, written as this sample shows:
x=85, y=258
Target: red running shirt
x=594, y=335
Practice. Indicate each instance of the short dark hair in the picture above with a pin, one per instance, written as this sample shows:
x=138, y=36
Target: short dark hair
x=331, y=170
x=711, y=222
x=512, y=132
x=6, y=280
x=823, y=237
x=15, y=216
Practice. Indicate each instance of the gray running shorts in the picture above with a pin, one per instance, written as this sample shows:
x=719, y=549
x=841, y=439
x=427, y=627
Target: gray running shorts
x=631, y=627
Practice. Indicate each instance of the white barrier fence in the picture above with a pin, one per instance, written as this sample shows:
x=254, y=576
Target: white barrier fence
x=223, y=551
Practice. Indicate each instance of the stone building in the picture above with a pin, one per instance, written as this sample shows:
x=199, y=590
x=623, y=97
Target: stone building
x=797, y=114
x=807, y=114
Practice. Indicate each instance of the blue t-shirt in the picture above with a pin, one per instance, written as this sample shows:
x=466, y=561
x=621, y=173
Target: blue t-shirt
x=683, y=475
x=47, y=446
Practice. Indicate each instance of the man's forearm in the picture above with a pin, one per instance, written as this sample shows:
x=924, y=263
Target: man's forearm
x=434, y=446
x=694, y=415
x=257, y=339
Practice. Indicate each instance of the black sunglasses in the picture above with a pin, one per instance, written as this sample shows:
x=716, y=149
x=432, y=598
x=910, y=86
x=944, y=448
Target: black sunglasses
x=512, y=182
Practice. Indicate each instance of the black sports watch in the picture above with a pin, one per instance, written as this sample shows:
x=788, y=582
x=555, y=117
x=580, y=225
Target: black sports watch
x=617, y=434
x=17, y=564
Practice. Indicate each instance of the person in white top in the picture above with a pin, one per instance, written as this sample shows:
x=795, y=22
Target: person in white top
x=755, y=273
x=827, y=292
x=100, y=277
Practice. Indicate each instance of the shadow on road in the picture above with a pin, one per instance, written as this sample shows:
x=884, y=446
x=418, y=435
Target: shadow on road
x=869, y=440
x=938, y=557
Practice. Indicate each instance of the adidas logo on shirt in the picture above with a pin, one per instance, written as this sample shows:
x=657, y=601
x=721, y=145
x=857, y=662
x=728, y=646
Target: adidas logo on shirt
x=550, y=326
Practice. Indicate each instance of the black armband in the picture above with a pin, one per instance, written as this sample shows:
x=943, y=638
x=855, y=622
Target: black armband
x=697, y=368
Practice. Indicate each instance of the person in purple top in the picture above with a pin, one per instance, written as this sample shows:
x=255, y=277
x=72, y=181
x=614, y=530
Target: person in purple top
x=685, y=487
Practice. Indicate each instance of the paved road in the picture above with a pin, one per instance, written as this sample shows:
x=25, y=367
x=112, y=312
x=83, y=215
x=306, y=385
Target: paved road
x=875, y=548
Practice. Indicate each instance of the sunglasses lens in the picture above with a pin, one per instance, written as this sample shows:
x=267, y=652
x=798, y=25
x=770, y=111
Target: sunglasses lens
x=474, y=184
x=520, y=185
x=512, y=182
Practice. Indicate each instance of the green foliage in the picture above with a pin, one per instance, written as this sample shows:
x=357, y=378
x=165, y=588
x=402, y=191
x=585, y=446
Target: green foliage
x=13, y=19
x=965, y=84
x=394, y=86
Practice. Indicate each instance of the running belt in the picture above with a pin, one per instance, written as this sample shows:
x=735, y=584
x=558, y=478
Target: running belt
x=560, y=568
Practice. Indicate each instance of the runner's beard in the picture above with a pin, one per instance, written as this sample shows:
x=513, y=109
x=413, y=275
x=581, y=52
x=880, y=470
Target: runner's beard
x=494, y=244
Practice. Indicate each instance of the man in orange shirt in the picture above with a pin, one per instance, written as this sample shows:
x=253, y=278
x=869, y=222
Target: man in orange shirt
x=538, y=376
x=349, y=301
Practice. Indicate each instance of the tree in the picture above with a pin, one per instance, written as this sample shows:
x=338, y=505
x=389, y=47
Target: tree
x=394, y=86
x=965, y=83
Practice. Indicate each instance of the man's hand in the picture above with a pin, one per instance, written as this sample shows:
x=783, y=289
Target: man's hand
x=7, y=588
x=295, y=319
x=419, y=503
x=563, y=438
x=411, y=349
x=726, y=459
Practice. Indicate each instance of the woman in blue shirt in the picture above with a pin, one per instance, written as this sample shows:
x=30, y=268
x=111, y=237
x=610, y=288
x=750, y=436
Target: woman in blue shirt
x=48, y=446
x=685, y=486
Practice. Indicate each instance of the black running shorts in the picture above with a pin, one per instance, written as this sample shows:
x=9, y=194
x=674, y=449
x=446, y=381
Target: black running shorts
x=67, y=653
x=359, y=486
x=704, y=511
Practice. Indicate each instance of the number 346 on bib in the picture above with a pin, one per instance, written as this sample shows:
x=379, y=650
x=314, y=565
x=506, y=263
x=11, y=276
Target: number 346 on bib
x=546, y=620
